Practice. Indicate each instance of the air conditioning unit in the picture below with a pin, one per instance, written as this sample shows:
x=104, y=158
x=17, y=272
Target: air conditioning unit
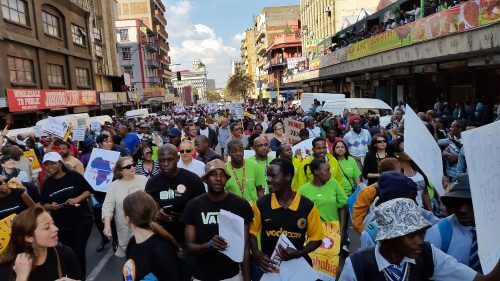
x=328, y=9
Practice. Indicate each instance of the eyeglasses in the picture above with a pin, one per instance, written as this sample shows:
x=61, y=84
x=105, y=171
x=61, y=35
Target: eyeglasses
x=128, y=167
x=381, y=141
x=185, y=151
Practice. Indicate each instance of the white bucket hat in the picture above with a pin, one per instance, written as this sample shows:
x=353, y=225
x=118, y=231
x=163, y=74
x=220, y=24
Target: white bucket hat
x=399, y=217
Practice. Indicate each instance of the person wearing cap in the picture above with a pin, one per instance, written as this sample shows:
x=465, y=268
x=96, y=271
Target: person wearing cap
x=357, y=140
x=456, y=234
x=145, y=130
x=69, y=160
x=64, y=194
x=202, y=231
x=402, y=254
x=174, y=136
x=392, y=185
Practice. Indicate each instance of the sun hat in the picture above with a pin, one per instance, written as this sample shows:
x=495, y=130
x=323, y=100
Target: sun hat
x=52, y=157
x=460, y=189
x=214, y=165
x=399, y=217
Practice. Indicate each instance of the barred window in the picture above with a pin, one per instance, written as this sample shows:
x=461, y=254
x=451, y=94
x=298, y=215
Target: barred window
x=127, y=55
x=50, y=24
x=20, y=70
x=78, y=34
x=129, y=70
x=55, y=74
x=123, y=34
x=82, y=77
x=15, y=10
x=98, y=51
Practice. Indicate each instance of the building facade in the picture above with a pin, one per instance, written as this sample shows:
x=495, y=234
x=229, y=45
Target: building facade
x=211, y=84
x=248, y=58
x=152, y=14
x=46, y=51
x=195, y=79
x=237, y=67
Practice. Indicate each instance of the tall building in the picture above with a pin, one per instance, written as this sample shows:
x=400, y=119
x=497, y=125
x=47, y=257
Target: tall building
x=270, y=23
x=248, y=58
x=45, y=62
x=237, y=66
x=195, y=79
x=210, y=84
x=152, y=14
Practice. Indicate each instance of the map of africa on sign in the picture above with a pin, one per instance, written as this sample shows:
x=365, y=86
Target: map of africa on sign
x=99, y=172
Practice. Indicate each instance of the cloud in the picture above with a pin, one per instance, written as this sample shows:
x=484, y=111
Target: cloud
x=190, y=40
x=238, y=37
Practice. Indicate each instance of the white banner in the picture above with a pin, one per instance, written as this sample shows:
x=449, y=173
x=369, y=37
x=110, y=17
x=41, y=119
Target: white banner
x=56, y=127
x=99, y=172
x=38, y=131
x=482, y=155
x=423, y=149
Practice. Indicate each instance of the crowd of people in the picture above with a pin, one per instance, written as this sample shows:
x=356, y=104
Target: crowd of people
x=178, y=170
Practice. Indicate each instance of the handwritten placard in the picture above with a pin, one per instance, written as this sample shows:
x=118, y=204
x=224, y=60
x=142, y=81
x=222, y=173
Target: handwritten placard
x=292, y=130
x=482, y=154
x=79, y=133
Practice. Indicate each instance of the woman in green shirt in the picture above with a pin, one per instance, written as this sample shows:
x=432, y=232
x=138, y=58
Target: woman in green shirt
x=326, y=193
x=350, y=170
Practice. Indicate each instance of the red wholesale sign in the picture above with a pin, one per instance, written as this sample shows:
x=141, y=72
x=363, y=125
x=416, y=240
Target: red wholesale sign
x=34, y=99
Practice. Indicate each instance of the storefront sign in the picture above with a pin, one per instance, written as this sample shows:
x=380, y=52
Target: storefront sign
x=28, y=99
x=108, y=97
x=484, y=60
x=291, y=63
x=153, y=92
x=426, y=68
x=336, y=57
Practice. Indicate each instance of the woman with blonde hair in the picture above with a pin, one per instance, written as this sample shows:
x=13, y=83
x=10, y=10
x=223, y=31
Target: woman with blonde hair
x=126, y=182
x=279, y=138
x=152, y=253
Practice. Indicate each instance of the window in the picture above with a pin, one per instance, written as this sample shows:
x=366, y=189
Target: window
x=98, y=51
x=129, y=71
x=82, y=76
x=97, y=34
x=127, y=55
x=50, y=24
x=123, y=34
x=78, y=35
x=55, y=74
x=15, y=10
x=20, y=70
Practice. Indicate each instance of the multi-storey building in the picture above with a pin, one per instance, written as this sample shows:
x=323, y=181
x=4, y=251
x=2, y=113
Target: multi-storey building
x=248, y=58
x=46, y=60
x=237, y=67
x=271, y=22
x=152, y=14
x=210, y=84
x=196, y=79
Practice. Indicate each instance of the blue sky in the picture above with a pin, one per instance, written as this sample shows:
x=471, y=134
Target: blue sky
x=211, y=30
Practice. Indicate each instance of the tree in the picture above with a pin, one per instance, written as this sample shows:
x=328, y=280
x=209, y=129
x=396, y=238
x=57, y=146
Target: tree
x=213, y=96
x=240, y=85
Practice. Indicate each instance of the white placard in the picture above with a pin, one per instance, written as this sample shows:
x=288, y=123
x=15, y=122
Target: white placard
x=238, y=110
x=57, y=127
x=423, y=149
x=95, y=126
x=79, y=133
x=212, y=107
x=303, y=148
x=482, y=155
x=99, y=172
x=38, y=131
x=232, y=229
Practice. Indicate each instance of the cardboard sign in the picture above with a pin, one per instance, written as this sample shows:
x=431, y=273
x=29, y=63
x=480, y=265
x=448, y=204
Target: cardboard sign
x=325, y=259
x=79, y=133
x=99, y=172
x=303, y=149
x=31, y=156
x=95, y=126
x=5, y=230
x=38, y=131
x=292, y=129
x=57, y=127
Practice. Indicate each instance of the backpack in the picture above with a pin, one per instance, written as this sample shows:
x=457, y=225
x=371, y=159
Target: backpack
x=372, y=230
x=446, y=232
x=365, y=265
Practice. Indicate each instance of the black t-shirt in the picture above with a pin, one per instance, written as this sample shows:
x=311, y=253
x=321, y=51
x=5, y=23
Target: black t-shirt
x=59, y=191
x=12, y=204
x=174, y=193
x=155, y=255
x=70, y=267
x=202, y=213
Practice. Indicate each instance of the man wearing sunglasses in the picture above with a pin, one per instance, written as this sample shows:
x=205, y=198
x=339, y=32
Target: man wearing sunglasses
x=186, y=160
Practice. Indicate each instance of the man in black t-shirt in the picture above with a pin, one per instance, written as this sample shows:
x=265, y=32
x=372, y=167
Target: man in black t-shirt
x=173, y=188
x=201, y=219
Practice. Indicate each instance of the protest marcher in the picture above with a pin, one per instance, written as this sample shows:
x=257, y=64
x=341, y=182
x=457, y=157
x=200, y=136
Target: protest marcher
x=279, y=137
x=204, y=130
x=152, y=253
x=357, y=140
x=204, y=152
x=246, y=180
x=331, y=137
x=377, y=151
x=174, y=136
x=351, y=175
x=69, y=160
x=319, y=151
x=250, y=127
x=202, y=233
x=126, y=182
x=402, y=254
x=128, y=140
x=22, y=163
x=65, y=195
x=451, y=152
x=88, y=145
x=191, y=132
x=314, y=131
x=9, y=170
x=236, y=135
x=13, y=200
x=33, y=252
x=287, y=153
x=186, y=161
x=283, y=210
x=106, y=142
x=456, y=235
x=223, y=133
x=172, y=189
x=147, y=166
x=262, y=158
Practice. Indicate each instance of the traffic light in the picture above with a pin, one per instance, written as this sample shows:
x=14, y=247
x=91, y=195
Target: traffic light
x=178, y=76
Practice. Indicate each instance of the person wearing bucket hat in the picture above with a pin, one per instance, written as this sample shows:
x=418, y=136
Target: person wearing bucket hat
x=402, y=254
x=201, y=233
x=456, y=234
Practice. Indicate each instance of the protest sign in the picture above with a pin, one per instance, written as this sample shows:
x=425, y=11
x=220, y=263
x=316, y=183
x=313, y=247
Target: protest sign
x=99, y=172
x=96, y=127
x=79, y=133
x=5, y=230
x=38, y=131
x=212, y=107
x=303, y=149
x=57, y=127
x=31, y=156
x=326, y=258
x=482, y=155
x=232, y=228
x=238, y=110
x=292, y=130
x=423, y=149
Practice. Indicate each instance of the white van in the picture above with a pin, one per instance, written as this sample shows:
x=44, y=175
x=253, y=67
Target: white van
x=307, y=99
x=137, y=113
x=361, y=106
x=74, y=119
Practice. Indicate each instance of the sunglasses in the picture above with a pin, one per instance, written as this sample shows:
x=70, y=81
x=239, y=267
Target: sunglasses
x=381, y=141
x=185, y=151
x=128, y=167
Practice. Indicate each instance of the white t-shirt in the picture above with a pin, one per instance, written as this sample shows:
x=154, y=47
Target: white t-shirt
x=195, y=166
x=204, y=132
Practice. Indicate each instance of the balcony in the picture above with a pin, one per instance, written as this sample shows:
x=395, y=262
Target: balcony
x=163, y=59
x=152, y=63
x=160, y=5
x=278, y=62
x=164, y=73
x=150, y=47
x=161, y=30
x=160, y=17
x=164, y=46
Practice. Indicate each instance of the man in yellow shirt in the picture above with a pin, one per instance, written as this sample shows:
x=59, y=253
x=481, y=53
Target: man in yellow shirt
x=287, y=153
x=319, y=151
